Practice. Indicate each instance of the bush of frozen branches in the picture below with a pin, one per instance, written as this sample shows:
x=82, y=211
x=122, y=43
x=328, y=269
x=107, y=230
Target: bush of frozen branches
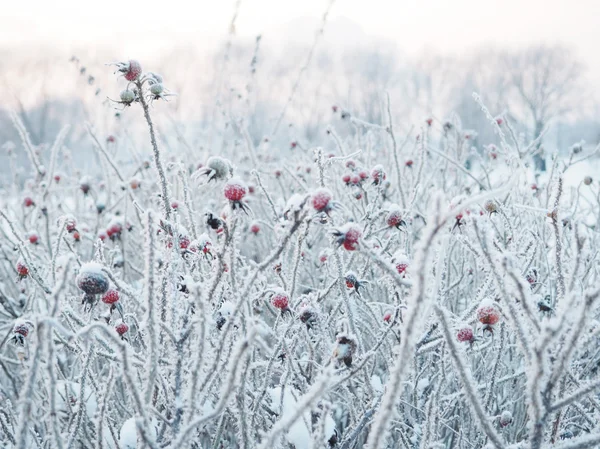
x=392, y=291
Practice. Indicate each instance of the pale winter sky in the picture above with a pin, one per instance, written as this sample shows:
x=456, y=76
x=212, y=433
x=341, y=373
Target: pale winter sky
x=454, y=26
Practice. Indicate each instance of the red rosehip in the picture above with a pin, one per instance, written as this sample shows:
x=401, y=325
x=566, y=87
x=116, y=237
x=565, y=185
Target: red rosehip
x=280, y=300
x=488, y=315
x=465, y=334
x=28, y=202
x=184, y=242
x=394, y=218
x=34, y=238
x=348, y=236
x=22, y=269
x=346, y=178
x=321, y=200
x=409, y=163
x=110, y=297
x=378, y=175
x=134, y=70
x=254, y=228
x=350, y=164
x=102, y=236
x=21, y=329
x=235, y=190
x=363, y=174
x=294, y=144
x=76, y=236
x=121, y=328
x=57, y=178
x=174, y=205
x=387, y=317
x=429, y=121
x=111, y=139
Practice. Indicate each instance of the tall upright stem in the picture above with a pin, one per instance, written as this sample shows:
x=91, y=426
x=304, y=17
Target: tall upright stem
x=157, y=160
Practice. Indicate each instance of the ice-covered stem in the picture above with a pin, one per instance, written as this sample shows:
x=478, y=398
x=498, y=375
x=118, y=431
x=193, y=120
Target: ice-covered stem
x=60, y=137
x=188, y=204
x=144, y=425
x=102, y=406
x=304, y=404
x=149, y=286
x=553, y=215
x=298, y=257
x=266, y=194
x=466, y=379
x=390, y=130
x=157, y=157
x=418, y=302
x=27, y=392
x=24, y=134
x=492, y=383
x=74, y=434
x=319, y=159
x=237, y=360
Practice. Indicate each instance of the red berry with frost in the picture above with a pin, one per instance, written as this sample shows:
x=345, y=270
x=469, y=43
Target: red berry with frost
x=465, y=334
x=394, y=217
x=488, y=315
x=28, y=202
x=505, y=418
x=293, y=144
x=76, y=236
x=133, y=70
x=387, y=317
x=321, y=200
x=34, y=238
x=110, y=297
x=174, y=205
x=121, y=328
x=355, y=179
x=346, y=178
x=254, y=228
x=111, y=139
x=70, y=224
x=429, y=121
x=409, y=163
x=57, y=178
x=350, y=164
x=378, y=174
x=401, y=262
x=102, y=236
x=92, y=280
x=22, y=269
x=280, y=300
x=499, y=121
x=348, y=236
x=21, y=329
x=235, y=190
x=363, y=175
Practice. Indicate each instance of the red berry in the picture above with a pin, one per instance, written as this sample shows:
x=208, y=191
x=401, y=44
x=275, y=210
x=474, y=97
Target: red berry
x=378, y=174
x=334, y=108
x=110, y=297
x=277, y=173
x=70, y=224
x=28, y=202
x=499, y=121
x=76, y=236
x=294, y=144
x=321, y=200
x=184, y=242
x=488, y=315
x=349, y=283
x=429, y=121
x=350, y=164
x=348, y=236
x=102, y=236
x=22, y=269
x=235, y=190
x=363, y=174
x=111, y=139
x=346, y=178
x=21, y=329
x=465, y=334
x=33, y=238
x=254, y=228
x=121, y=328
x=355, y=179
x=387, y=317
x=175, y=205
x=394, y=218
x=409, y=163
x=57, y=178
x=280, y=300
x=135, y=69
